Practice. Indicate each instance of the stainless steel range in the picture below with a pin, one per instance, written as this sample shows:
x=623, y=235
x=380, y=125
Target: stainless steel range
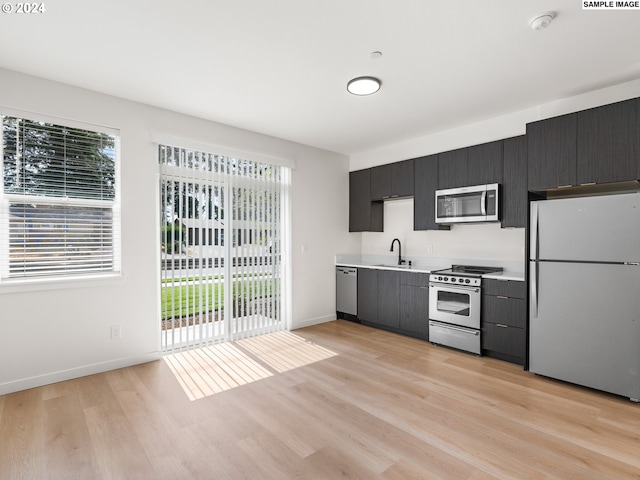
x=454, y=306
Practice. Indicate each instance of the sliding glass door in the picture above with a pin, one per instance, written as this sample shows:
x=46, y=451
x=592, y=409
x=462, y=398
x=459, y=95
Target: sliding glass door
x=223, y=247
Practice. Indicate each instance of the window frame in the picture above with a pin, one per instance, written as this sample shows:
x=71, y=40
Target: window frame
x=58, y=280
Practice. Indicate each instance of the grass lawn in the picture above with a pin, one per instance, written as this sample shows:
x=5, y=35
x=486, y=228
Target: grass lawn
x=192, y=297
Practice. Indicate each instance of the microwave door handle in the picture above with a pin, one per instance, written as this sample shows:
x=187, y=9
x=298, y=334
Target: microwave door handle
x=483, y=203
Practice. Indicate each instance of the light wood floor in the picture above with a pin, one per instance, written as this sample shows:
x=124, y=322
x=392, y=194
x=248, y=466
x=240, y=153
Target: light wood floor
x=333, y=401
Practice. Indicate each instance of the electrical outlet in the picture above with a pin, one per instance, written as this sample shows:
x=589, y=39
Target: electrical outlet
x=116, y=332
x=429, y=248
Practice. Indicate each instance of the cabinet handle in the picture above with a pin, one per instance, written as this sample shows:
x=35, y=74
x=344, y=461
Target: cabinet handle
x=502, y=297
x=587, y=184
x=424, y=288
x=501, y=325
x=385, y=197
x=564, y=186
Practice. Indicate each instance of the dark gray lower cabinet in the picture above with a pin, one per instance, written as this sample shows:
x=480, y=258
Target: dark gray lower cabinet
x=414, y=305
x=368, y=295
x=395, y=301
x=389, y=298
x=504, y=320
x=399, y=302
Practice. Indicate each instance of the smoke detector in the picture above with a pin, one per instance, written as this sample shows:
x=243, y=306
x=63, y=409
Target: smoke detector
x=540, y=22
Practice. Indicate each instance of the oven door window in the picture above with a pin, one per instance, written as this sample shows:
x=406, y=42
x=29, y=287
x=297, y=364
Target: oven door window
x=455, y=303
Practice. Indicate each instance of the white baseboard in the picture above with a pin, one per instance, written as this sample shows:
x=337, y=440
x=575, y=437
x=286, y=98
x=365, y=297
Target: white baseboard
x=313, y=321
x=55, y=377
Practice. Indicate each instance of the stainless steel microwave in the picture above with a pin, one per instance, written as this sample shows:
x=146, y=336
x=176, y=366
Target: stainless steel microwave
x=479, y=203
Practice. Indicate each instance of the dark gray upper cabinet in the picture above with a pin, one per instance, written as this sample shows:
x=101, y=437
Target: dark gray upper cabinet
x=364, y=215
x=392, y=180
x=514, y=185
x=608, y=143
x=551, y=146
x=474, y=165
x=599, y=145
x=453, y=168
x=380, y=182
x=426, y=184
x=485, y=163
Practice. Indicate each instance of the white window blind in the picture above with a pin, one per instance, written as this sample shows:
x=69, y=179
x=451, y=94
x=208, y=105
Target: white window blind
x=59, y=200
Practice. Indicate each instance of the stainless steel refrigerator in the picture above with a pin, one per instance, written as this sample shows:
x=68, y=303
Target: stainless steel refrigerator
x=584, y=282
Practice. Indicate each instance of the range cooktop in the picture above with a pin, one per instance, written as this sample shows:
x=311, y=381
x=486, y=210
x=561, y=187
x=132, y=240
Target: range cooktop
x=465, y=275
x=471, y=270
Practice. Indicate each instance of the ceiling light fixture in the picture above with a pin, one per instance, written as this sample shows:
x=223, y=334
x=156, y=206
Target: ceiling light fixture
x=542, y=21
x=363, y=85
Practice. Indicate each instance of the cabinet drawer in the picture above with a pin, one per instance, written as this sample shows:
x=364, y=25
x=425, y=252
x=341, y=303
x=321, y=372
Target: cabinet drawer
x=505, y=340
x=416, y=279
x=504, y=310
x=506, y=288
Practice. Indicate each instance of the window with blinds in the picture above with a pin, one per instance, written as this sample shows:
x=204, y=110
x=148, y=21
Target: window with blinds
x=59, y=201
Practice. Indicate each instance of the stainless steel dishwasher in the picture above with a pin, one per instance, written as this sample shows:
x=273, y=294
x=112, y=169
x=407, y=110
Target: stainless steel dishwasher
x=347, y=292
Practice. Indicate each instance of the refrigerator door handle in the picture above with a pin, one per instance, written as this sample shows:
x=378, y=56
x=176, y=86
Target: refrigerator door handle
x=533, y=245
x=534, y=289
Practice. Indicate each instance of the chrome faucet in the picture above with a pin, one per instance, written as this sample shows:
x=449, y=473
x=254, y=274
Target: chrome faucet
x=400, y=260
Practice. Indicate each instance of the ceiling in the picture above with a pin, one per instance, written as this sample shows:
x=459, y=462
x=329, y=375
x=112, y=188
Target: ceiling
x=280, y=67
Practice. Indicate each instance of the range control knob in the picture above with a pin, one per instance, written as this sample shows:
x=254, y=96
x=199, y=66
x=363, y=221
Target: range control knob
x=467, y=281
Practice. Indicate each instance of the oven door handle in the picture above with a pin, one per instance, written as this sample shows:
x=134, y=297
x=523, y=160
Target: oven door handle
x=452, y=327
x=444, y=286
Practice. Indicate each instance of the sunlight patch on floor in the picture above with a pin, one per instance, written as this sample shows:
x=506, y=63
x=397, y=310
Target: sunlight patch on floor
x=206, y=371
x=284, y=351
x=209, y=370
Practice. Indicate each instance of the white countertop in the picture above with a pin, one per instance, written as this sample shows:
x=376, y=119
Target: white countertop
x=424, y=266
x=412, y=269
x=506, y=275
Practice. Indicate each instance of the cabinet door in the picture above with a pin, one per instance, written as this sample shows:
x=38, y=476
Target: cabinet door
x=504, y=310
x=402, y=178
x=485, y=163
x=367, y=295
x=392, y=180
x=426, y=184
x=509, y=343
x=364, y=215
x=381, y=182
x=514, y=184
x=452, y=168
x=389, y=298
x=506, y=288
x=414, y=310
x=608, y=143
x=552, y=152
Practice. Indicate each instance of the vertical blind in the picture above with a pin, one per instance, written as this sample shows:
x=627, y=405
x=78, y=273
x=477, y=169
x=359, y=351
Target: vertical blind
x=59, y=201
x=223, y=243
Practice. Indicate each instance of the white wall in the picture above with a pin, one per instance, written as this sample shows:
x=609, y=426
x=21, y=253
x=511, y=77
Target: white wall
x=57, y=334
x=486, y=241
